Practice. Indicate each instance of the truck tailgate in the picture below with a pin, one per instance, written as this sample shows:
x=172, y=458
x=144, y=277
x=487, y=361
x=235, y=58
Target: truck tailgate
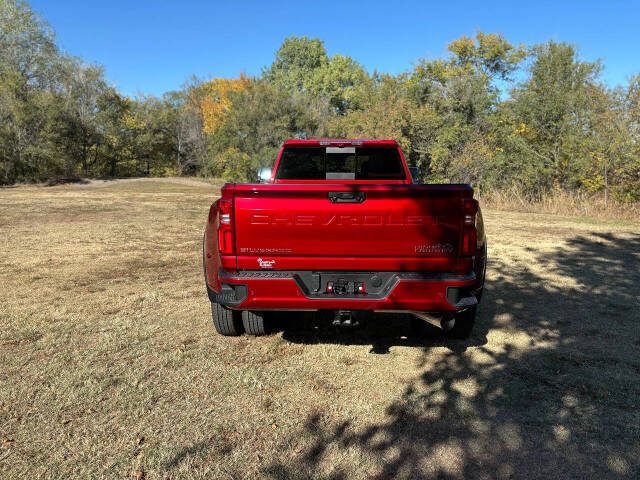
x=411, y=222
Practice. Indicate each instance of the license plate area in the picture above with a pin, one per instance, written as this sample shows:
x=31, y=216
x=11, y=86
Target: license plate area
x=344, y=287
x=355, y=285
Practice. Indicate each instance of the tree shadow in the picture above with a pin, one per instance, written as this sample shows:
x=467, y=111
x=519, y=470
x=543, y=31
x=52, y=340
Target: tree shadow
x=554, y=394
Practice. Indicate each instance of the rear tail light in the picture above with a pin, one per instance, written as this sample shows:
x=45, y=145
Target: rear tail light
x=469, y=241
x=469, y=232
x=226, y=243
x=470, y=210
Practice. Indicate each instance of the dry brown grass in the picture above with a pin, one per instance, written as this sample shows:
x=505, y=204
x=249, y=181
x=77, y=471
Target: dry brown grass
x=109, y=365
x=563, y=203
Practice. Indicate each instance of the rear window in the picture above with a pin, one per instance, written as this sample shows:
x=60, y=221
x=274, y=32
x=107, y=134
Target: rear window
x=334, y=163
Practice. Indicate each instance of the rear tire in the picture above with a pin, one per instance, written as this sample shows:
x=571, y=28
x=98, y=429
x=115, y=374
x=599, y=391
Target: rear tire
x=227, y=322
x=463, y=325
x=254, y=323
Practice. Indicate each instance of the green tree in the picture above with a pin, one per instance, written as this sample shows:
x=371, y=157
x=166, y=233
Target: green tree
x=302, y=66
x=234, y=165
x=454, y=102
x=84, y=86
x=114, y=151
x=552, y=112
x=386, y=113
x=261, y=119
x=619, y=127
x=30, y=74
x=27, y=45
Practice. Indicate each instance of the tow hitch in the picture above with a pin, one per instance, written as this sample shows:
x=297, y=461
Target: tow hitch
x=345, y=318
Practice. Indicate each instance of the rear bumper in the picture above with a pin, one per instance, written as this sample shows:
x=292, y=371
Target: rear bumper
x=305, y=290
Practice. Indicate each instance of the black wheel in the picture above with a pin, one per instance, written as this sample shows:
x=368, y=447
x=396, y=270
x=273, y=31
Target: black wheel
x=253, y=322
x=463, y=324
x=227, y=322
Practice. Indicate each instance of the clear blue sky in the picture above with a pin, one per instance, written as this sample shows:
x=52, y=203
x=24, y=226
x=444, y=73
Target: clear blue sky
x=153, y=47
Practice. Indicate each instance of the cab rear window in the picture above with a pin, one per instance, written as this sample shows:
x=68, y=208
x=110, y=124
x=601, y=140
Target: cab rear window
x=335, y=163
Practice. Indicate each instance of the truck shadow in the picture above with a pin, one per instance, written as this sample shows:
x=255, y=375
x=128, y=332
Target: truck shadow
x=380, y=330
x=546, y=387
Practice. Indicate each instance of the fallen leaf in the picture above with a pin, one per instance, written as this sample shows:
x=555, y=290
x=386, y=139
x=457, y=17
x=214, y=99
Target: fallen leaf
x=140, y=475
x=8, y=441
x=274, y=426
x=196, y=378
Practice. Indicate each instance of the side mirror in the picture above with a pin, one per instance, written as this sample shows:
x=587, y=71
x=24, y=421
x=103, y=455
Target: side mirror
x=414, y=174
x=264, y=174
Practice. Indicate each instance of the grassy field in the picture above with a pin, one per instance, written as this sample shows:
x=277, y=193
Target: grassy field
x=110, y=368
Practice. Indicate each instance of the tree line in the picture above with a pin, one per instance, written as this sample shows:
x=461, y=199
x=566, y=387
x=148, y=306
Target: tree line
x=525, y=118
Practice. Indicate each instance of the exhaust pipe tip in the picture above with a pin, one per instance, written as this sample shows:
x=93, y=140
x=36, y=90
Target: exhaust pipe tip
x=447, y=322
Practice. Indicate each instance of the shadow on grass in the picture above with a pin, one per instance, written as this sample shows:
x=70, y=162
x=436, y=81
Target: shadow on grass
x=557, y=398
x=380, y=330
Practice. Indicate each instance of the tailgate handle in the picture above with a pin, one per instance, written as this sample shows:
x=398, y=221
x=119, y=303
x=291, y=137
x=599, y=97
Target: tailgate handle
x=347, y=197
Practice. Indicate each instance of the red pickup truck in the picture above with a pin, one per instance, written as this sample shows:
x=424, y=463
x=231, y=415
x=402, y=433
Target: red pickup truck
x=340, y=225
